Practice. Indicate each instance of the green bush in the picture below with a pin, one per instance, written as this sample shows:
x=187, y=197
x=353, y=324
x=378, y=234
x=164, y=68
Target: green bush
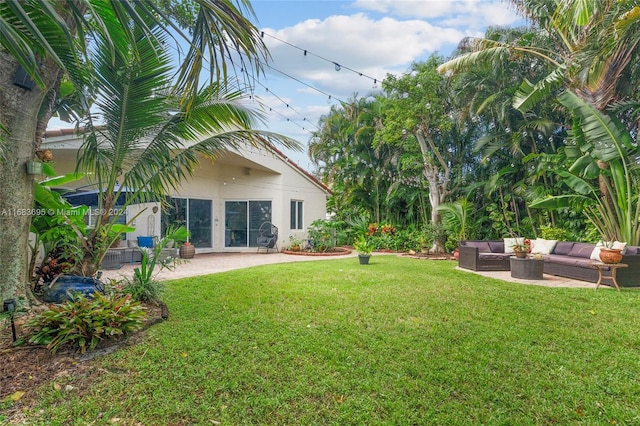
x=143, y=290
x=549, y=232
x=83, y=322
x=322, y=235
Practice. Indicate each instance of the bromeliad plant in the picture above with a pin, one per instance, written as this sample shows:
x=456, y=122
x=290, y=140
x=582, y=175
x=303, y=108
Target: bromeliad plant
x=83, y=322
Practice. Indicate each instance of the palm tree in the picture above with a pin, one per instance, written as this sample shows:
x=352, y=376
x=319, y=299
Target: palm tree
x=586, y=46
x=145, y=138
x=50, y=39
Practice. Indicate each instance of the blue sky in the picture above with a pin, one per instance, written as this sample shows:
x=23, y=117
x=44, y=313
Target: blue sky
x=372, y=37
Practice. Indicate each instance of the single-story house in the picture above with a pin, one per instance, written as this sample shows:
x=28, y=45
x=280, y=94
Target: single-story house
x=225, y=202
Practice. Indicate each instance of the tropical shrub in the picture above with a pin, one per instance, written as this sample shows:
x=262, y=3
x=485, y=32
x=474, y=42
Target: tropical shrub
x=363, y=245
x=322, y=235
x=549, y=232
x=83, y=322
x=143, y=286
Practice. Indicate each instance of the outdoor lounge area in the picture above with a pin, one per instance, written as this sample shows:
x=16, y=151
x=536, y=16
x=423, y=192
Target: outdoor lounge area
x=567, y=259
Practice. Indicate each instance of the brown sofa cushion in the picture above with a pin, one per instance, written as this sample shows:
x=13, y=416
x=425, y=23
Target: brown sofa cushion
x=569, y=260
x=633, y=250
x=582, y=250
x=482, y=246
x=493, y=256
x=563, y=247
x=496, y=246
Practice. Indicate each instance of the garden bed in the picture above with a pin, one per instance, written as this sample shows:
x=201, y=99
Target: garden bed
x=430, y=256
x=336, y=251
x=24, y=368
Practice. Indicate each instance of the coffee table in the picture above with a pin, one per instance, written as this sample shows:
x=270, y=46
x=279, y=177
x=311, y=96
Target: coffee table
x=526, y=269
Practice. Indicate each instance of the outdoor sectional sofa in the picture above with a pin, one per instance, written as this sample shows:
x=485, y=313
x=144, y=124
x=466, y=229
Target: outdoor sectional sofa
x=568, y=259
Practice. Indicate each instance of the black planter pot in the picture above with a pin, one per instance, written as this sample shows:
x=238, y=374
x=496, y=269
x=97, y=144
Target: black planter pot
x=65, y=286
x=364, y=259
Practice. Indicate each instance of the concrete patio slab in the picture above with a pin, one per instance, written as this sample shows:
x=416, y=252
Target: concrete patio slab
x=211, y=263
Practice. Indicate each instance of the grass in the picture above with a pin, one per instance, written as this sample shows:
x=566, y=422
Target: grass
x=400, y=341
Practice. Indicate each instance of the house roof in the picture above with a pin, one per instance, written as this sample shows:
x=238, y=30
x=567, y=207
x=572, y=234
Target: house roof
x=54, y=133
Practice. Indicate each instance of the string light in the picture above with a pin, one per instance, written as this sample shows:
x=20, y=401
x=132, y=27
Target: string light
x=301, y=82
x=285, y=103
x=336, y=65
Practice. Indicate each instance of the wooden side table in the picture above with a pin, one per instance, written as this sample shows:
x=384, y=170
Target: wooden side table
x=614, y=267
x=526, y=269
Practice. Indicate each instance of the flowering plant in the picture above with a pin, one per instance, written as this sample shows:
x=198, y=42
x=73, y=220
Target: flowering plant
x=363, y=246
x=525, y=245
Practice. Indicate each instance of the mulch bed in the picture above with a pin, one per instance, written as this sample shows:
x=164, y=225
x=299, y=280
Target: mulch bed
x=25, y=368
x=430, y=256
x=335, y=251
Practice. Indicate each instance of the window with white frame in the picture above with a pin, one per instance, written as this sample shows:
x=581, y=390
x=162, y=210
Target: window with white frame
x=296, y=215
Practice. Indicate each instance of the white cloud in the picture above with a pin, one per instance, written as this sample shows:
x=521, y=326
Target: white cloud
x=384, y=36
x=473, y=14
x=368, y=46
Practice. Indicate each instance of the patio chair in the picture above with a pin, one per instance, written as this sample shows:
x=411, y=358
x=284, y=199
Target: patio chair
x=267, y=237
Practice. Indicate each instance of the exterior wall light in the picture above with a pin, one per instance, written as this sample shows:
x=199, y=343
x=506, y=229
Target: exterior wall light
x=9, y=306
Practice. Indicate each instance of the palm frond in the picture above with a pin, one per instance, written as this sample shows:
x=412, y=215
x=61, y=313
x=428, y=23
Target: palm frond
x=604, y=132
x=222, y=32
x=529, y=95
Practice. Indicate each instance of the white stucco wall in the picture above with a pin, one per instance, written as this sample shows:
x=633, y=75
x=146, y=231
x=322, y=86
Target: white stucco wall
x=252, y=174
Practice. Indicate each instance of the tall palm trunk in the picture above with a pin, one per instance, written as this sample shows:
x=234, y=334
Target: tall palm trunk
x=19, y=112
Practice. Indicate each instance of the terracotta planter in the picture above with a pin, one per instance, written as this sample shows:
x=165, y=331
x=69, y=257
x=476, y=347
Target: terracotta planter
x=521, y=254
x=610, y=255
x=187, y=251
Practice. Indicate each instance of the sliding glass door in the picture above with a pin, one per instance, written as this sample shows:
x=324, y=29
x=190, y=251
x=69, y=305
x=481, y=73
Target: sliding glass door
x=195, y=215
x=243, y=220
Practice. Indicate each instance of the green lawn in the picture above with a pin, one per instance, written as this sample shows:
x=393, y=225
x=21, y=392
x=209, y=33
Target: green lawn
x=400, y=341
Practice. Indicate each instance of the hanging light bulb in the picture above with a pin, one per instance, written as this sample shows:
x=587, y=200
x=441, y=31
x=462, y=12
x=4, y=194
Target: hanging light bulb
x=337, y=66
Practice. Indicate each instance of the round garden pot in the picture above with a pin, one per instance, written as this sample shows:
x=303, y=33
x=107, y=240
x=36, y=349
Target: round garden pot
x=364, y=259
x=63, y=287
x=521, y=254
x=187, y=251
x=610, y=256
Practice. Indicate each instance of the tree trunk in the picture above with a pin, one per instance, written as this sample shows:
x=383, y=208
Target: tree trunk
x=19, y=110
x=437, y=179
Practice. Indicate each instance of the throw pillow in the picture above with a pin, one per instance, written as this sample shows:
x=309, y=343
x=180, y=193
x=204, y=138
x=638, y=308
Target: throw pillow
x=617, y=245
x=145, y=242
x=543, y=246
x=563, y=247
x=582, y=250
x=482, y=246
x=510, y=242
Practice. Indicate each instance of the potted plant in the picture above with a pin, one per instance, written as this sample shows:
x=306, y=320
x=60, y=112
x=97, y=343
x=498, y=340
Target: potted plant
x=187, y=250
x=610, y=249
x=521, y=246
x=295, y=243
x=364, y=248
